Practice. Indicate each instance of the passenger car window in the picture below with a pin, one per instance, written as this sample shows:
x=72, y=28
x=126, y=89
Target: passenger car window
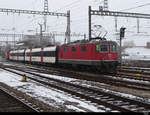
x=113, y=48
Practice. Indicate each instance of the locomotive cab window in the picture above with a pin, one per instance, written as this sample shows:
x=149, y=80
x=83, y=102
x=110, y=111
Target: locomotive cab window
x=73, y=49
x=83, y=48
x=97, y=48
x=113, y=48
x=103, y=48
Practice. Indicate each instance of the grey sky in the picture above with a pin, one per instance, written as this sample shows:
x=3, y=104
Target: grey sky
x=79, y=14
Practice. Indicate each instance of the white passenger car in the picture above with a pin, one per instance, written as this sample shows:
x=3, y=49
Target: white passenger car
x=49, y=54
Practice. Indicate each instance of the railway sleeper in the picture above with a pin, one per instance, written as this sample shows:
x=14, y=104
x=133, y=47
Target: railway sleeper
x=124, y=103
x=129, y=107
x=140, y=109
x=95, y=94
x=97, y=98
x=88, y=94
x=105, y=97
x=110, y=99
x=118, y=103
x=132, y=106
x=92, y=96
x=100, y=95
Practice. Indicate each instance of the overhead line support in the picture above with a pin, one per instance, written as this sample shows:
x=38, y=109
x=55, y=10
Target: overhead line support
x=31, y=12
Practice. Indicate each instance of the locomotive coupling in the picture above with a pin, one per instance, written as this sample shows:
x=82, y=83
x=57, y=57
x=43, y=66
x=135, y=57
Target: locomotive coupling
x=24, y=78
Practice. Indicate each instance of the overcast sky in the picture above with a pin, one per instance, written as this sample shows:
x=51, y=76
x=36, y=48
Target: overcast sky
x=79, y=15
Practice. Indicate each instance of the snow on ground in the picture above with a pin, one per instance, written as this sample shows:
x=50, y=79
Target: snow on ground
x=55, y=97
x=137, y=53
x=93, y=84
x=48, y=95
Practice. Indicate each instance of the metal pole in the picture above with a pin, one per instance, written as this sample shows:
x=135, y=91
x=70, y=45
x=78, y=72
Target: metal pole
x=14, y=39
x=41, y=34
x=68, y=28
x=138, y=25
x=116, y=24
x=120, y=51
x=90, y=23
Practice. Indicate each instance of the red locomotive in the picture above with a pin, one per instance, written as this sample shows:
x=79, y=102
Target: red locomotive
x=98, y=55
x=101, y=55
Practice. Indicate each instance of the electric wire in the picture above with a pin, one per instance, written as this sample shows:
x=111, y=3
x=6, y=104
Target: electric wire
x=147, y=4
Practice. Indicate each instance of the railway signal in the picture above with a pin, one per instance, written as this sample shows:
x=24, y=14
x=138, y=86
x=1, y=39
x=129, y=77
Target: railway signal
x=122, y=34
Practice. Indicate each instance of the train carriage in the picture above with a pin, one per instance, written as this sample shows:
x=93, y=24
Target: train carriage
x=49, y=55
x=13, y=55
x=21, y=55
x=36, y=55
x=46, y=55
x=28, y=55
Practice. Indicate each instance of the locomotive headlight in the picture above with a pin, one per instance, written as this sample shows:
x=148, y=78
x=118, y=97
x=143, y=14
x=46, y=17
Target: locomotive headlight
x=110, y=56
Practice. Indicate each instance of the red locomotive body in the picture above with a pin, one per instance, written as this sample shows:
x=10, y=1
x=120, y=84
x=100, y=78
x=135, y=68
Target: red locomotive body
x=100, y=55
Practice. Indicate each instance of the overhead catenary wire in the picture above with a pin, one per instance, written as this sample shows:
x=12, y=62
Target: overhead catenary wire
x=68, y=5
x=139, y=6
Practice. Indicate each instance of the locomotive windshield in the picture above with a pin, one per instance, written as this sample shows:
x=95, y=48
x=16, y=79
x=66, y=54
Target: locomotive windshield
x=102, y=48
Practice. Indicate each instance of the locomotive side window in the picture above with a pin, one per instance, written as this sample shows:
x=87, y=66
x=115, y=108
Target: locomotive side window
x=103, y=48
x=83, y=48
x=65, y=49
x=73, y=49
x=113, y=48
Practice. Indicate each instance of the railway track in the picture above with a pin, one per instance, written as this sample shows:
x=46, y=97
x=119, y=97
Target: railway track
x=135, y=73
x=94, y=95
x=116, y=80
x=11, y=103
x=108, y=79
